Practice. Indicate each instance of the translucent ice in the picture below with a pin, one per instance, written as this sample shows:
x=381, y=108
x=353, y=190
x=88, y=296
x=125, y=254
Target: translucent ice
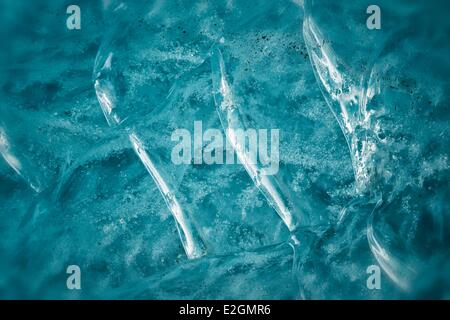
x=386, y=122
x=86, y=124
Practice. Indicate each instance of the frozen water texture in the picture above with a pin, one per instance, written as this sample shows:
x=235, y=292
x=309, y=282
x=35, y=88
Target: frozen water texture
x=86, y=119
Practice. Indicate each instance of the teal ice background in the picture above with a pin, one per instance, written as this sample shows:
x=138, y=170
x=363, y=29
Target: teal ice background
x=364, y=149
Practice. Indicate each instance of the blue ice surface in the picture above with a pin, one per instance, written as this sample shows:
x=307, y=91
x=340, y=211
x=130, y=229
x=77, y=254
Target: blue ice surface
x=363, y=118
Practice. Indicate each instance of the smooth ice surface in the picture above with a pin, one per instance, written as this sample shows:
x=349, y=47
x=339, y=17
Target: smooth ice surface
x=86, y=177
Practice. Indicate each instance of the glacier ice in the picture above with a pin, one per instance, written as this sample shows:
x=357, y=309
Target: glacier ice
x=86, y=119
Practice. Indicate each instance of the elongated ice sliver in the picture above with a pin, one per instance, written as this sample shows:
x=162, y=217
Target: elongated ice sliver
x=347, y=100
x=192, y=244
x=330, y=78
x=399, y=271
x=232, y=123
x=21, y=164
x=106, y=95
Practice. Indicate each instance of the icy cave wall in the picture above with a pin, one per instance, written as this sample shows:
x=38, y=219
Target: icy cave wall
x=87, y=123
